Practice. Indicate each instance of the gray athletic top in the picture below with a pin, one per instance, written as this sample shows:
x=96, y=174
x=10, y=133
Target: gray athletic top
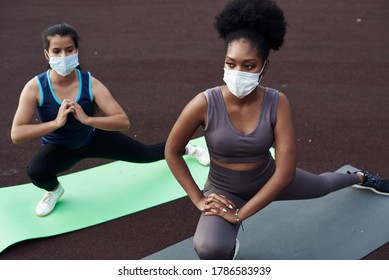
x=225, y=143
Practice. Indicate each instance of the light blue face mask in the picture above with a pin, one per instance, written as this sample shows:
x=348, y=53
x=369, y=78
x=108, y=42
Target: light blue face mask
x=242, y=83
x=64, y=65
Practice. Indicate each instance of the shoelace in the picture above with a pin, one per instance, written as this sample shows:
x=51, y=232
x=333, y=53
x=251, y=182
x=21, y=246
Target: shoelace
x=48, y=198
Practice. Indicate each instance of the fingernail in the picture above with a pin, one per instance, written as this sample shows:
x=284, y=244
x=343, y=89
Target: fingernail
x=230, y=206
x=224, y=210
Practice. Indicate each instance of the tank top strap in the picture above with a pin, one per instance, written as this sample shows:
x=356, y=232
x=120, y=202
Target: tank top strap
x=271, y=96
x=86, y=85
x=215, y=101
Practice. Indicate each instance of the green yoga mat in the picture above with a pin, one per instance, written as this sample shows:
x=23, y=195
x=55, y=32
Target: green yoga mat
x=92, y=197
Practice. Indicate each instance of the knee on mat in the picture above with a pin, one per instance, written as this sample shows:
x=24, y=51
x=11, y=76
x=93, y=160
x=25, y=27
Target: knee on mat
x=208, y=250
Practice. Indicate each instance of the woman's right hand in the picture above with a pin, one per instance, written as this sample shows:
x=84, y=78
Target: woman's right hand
x=66, y=107
x=215, y=203
x=218, y=205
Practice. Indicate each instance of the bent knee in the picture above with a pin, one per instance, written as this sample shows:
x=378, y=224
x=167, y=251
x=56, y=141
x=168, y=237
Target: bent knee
x=213, y=250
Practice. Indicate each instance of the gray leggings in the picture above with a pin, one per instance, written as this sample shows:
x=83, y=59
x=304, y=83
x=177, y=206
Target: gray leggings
x=215, y=237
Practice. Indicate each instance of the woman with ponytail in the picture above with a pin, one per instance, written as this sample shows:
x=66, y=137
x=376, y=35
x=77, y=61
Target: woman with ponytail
x=79, y=119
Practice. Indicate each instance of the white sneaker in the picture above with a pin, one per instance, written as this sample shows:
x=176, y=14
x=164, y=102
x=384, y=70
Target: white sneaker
x=47, y=203
x=201, y=155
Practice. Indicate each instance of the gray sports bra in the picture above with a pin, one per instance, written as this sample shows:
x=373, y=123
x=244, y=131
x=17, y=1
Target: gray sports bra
x=225, y=143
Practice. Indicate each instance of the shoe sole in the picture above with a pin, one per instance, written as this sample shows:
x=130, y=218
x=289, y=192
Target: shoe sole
x=203, y=163
x=369, y=188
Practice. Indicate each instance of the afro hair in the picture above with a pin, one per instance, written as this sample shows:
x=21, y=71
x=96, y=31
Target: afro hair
x=263, y=17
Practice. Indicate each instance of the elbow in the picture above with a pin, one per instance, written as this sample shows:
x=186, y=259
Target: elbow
x=170, y=154
x=126, y=126
x=126, y=123
x=15, y=139
x=289, y=176
x=289, y=172
x=286, y=176
x=19, y=135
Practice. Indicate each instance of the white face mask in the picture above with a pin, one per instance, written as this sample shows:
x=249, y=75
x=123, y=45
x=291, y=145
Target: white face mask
x=242, y=83
x=64, y=65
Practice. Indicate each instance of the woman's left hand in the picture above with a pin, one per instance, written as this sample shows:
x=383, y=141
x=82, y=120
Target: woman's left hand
x=79, y=113
x=219, y=205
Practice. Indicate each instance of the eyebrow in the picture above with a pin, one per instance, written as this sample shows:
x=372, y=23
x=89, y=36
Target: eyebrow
x=65, y=48
x=245, y=60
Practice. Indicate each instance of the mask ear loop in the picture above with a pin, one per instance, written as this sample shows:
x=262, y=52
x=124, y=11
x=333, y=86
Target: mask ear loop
x=263, y=68
x=260, y=72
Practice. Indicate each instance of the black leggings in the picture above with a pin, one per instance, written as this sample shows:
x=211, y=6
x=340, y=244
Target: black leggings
x=53, y=159
x=215, y=237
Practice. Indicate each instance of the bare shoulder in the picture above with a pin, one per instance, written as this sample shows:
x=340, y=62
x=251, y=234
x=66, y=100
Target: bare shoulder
x=197, y=105
x=200, y=99
x=31, y=90
x=96, y=84
x=283, y=100
x=195, y=111
x=99, y=90
x=282, y=95
x=32, y=84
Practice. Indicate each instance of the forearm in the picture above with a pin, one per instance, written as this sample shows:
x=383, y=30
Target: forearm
x=27, y=132
x=117, y=122
x=267, y=194
x=182, y=174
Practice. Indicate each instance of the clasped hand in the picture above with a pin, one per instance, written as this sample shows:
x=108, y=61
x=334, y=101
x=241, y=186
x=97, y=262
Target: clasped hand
x=220, y=205
x=70, y=106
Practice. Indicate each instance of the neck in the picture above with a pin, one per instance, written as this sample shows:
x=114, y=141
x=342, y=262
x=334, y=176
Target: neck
x=252, y=97
x=56, y=78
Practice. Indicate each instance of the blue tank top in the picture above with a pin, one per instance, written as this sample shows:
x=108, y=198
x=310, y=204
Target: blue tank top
x=73, y=134
x=226, y=144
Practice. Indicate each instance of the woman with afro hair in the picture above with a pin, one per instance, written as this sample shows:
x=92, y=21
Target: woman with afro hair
x=241, y=121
